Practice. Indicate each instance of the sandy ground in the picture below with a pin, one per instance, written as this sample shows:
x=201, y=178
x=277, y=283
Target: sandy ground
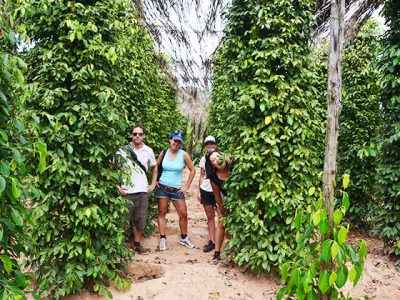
x=181, y=273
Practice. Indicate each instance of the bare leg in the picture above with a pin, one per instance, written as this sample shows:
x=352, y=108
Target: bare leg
x=220, y=234
x=180, y=206
x=162, y=212
x=210, y=213
x=137, y=234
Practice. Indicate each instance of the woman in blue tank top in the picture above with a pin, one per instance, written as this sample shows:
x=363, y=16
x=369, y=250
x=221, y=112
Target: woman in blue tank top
x=170, y=187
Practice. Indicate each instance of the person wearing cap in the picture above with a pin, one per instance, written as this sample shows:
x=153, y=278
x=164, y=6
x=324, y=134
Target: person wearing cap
x=206, y=195
x=170, y=187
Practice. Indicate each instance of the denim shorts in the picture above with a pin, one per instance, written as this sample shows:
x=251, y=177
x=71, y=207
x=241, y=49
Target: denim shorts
x=162, y=193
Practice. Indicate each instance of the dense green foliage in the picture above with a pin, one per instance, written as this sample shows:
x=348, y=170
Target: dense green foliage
x=388, y=218
x=265, y=111
x=305, y=276
x=17, y=162
x=360, y=123
x=93, y=73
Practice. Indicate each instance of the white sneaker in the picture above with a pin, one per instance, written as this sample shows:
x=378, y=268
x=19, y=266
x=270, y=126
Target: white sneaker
x=163, y=244
x=186, y=242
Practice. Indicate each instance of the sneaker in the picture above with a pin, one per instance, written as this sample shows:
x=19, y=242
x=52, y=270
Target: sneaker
x=210, y=246
x=186, y=242
x=139, y=249
x=163, y=244
x=216, y=258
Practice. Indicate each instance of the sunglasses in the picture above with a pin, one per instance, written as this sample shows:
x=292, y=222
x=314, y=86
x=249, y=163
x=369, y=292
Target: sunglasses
x=137, y=133
x=209, y=143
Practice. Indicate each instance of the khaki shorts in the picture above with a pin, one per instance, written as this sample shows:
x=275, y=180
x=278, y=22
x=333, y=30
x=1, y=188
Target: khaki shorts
x=137, y=205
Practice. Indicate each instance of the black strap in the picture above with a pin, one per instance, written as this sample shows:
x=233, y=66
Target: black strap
x=160, y=168
x=134, y=156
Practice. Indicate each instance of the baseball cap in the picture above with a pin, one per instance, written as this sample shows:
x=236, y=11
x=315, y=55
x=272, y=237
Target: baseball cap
x=178, y=136
x=210, y=139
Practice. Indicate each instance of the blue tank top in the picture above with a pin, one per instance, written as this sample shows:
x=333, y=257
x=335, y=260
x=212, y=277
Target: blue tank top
x=172, y=170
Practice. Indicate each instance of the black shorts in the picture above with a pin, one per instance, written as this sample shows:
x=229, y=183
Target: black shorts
x=207, y=198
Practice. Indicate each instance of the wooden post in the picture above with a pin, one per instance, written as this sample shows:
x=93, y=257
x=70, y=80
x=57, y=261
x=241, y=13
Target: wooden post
x=334, y=102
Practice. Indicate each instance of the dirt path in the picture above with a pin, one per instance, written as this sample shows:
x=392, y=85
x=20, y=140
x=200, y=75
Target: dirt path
x=181, y=273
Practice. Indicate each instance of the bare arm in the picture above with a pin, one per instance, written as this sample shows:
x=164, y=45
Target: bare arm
x=154, y=173
x=217, y=195
x=192, y=169
x=201, y=179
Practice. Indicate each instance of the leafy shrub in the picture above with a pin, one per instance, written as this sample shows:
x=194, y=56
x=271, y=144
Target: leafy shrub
x=265, y=111
x=323, y=262
x=360, y=121
x=17, y=159
x=87, y=75
x=388, y=216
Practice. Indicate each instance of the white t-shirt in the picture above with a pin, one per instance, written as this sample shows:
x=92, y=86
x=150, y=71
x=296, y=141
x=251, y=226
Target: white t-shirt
x=205, y=185
x=137, y=180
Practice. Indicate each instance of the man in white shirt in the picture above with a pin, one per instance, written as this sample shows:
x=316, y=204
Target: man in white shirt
x=135, y=158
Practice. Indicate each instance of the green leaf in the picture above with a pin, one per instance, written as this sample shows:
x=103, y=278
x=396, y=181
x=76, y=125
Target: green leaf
x=267, y=120
x=337, y=217
x=4, y=168
x=6, y=263
x=311, y=191
x=294, y=278
x=362, y=253
x=316, y=218
x=334, y=249
x=332, y=278
x=284, y=272
x=312, y=296
x=323, y=282
x=70, y=149
x=35, y=296
x=341, y=276
x=2, y=184
x=1, y=234
x=298, y=220
x=252, y=103
x=323, y=227
x=42, y=148
x=14, y=188
x=342, y=235
x=346, y=181
x=3, y=133
x=281, y=293
x=21, y=279
x=326, y=250
x=352, y=274
x=346, y=201
x=16, y=217
x=358, y=269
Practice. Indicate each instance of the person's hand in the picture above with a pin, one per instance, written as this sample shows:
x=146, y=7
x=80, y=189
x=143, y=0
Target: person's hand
x=199, y=197
x=151, y=188
x=122, y=190
x=183, y=189
x=222, y=211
